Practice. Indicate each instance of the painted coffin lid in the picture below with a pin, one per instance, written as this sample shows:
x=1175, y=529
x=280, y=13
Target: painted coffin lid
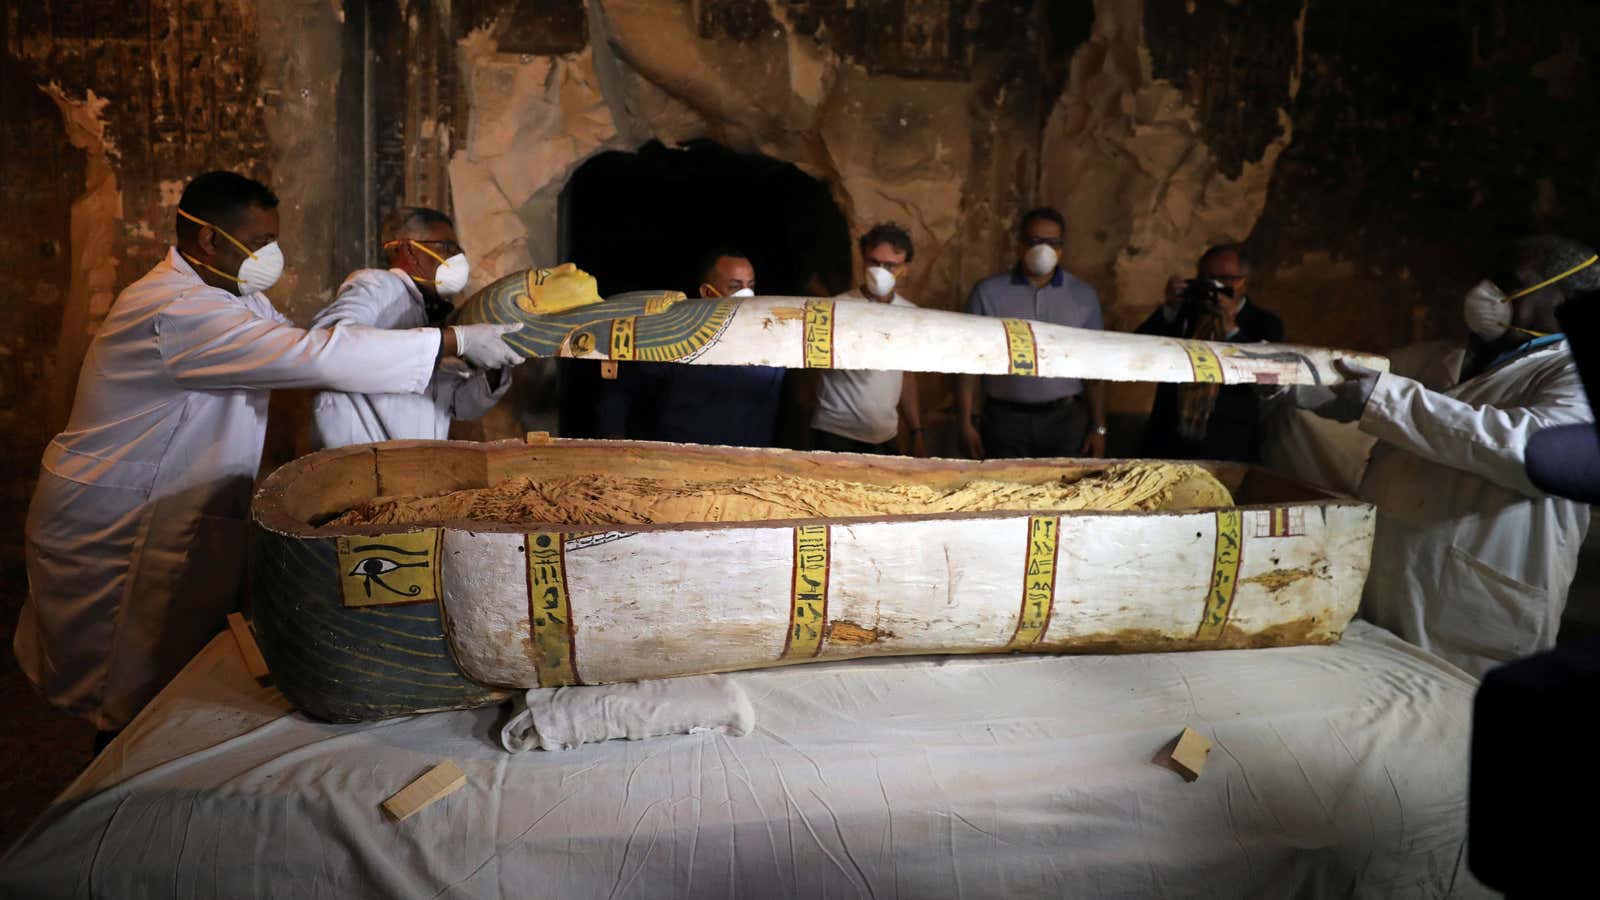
x=522, y=606
x=800, y=332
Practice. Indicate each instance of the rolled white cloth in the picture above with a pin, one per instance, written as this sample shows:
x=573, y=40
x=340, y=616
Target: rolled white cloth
x=564, y=717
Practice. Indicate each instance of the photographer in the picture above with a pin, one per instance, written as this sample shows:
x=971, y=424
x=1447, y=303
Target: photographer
x=1206, y=421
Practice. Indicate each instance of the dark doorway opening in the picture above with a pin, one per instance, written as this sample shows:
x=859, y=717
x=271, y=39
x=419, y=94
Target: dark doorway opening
x=642, y=221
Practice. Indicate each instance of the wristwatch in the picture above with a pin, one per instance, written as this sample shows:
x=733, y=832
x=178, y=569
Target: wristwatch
x=1100, y=430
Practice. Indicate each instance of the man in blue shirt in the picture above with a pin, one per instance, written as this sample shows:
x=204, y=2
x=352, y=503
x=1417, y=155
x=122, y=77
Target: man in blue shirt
x=1024, y=416
x=735, y=406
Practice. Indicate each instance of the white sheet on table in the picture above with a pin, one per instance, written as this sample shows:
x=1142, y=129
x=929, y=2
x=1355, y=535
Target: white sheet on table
x=1337, y=771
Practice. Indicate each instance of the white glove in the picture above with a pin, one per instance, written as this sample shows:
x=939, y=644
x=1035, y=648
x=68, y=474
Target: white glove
x=1350, y=395
x=484, y=345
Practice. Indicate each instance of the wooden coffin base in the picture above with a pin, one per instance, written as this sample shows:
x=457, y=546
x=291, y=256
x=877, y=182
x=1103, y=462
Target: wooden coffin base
x=368, y=620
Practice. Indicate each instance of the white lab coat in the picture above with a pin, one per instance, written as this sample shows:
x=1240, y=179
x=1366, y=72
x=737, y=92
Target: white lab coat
x=1334, y=455
x=1471, y=561
x=390, y=299
x=136, y=533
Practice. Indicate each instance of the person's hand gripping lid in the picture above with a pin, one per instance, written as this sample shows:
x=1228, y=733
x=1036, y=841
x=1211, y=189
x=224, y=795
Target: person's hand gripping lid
x=485, y=347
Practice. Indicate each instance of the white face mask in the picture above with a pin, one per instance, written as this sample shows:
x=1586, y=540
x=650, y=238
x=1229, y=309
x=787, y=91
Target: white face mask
x=261, y=269
x=1487, y=309
x=1487, y=313
x=450, y=278
x=743, y=292
x=880, y=281
x=1040, y=259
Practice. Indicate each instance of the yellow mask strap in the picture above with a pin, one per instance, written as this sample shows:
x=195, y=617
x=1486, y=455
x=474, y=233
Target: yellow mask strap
x=714, y=291
x=1549, y=281
x=424, y=249
x=231, y=239
x=213, y=269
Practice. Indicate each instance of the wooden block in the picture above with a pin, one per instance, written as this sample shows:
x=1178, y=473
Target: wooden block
x=440, y=781
x=608, y=370
x=1190, y=753
x=537, y=437
x=245, y=637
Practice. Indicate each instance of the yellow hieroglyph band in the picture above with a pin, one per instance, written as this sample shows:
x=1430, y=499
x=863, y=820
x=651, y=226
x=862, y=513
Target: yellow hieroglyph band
x=809, y=598
x=1022, y=354
x=1038, y=582
x=390, y=568
x=1207, y=368
x=622, y=337
x=819, y=334
x=1224, y=575
x=549, y=613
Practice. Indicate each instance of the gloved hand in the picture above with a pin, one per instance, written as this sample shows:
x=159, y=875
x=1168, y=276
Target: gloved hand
x=1349, y=396
x=484, y=346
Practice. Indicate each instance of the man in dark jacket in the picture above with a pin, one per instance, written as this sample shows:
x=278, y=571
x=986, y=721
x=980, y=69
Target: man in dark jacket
x=1204, y=421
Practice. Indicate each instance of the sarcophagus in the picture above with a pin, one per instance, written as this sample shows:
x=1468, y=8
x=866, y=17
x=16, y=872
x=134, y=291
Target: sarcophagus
x=562, y=315
x=516, y=565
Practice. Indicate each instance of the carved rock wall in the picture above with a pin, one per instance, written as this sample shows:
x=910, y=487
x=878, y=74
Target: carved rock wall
x=891, y=147
x=108, y=108
x=1126, y=156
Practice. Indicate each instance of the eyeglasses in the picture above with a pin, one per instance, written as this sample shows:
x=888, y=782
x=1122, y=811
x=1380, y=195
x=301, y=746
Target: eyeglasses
x=450, y=248
x=1054, y=243
x=889, y=264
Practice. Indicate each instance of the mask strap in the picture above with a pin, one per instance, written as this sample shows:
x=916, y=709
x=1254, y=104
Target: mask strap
x=1545, y=283
x=714, y=291
x=213, y=269
x=419, y=246
x=231, y=239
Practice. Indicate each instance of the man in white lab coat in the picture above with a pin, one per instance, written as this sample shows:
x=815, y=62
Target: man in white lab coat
x=426, y=269
x=1471, y=560
x=136, y=532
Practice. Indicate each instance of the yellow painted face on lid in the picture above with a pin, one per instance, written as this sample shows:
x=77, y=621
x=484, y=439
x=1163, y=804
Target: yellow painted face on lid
x=556, y=290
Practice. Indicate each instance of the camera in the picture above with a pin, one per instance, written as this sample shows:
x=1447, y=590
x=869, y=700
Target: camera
x=1198, y=299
